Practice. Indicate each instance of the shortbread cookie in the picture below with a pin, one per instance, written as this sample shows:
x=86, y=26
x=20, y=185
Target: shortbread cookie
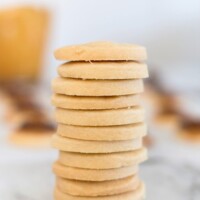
x=100, y=117
x=138, y=194
x=103, y=133
x=101, y=50
x=103, y=188
x=84, y=146
x=77, y=87
x=31, y=138
x=103, y=161
x=95, y=103
x=93, y=174
x=103, y=70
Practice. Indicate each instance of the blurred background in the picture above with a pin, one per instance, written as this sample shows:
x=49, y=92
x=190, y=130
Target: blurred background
x=29, y=33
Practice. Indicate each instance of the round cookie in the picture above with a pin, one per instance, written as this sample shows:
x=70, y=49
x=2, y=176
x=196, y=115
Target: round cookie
x=31, y=138
x=95, y=103
x=103, y=188
x=120, y=116
x=138, y=194
x=79, y=87
x=84, y=146
x=103, y=70
x=103, y=133
x=93, y=174
x=101, y=51
x=104, y=160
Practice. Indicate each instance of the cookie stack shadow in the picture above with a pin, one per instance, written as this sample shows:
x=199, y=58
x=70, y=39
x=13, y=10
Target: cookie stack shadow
x=100, y=121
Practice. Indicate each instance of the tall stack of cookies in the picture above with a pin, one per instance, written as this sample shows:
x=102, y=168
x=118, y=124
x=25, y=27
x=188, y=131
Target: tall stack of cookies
x=100, y=122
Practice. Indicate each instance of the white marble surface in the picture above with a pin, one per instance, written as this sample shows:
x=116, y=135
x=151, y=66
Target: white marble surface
x=172, y=172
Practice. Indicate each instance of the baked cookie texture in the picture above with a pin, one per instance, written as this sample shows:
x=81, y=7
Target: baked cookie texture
x=138, y=194
x=98, y=188
x=103, y=133
x=104, y=70
x=103, y=160
x=95, y=103
x=87, y=146
x=100, y=117
x=93, y=174
x=102, y=51
x=79, y=87
x=101, y=121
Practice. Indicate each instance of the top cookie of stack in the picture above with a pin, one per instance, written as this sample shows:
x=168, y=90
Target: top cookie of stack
x=100, y=121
